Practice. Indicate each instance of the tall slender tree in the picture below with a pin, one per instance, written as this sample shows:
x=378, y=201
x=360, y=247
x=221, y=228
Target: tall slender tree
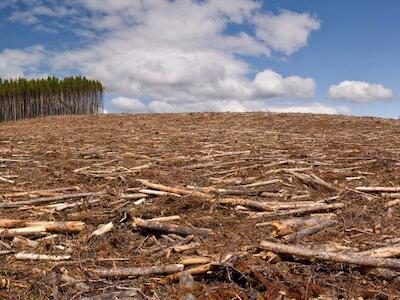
x=22, y=98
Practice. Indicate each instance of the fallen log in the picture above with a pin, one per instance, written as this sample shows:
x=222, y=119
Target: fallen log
x=389, y=251
x=133, y=294
x=48, y=199
x=141, y=271
x=313, y=181
x=180, y=191
x=25, y=232
x=39, y=192
x=391, y=195
x=260, y=183
x=148, y=192
x=103, y=229
x=378, y=189
x=133, y=196
x=50, y=226
x=392, y=203
x=288, y=226
x=34, y=256
x=347, y=258
x=170, y=228
x=299, y=211
x=308, y=231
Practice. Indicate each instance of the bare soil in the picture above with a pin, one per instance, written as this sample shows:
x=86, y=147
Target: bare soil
x=102, y=153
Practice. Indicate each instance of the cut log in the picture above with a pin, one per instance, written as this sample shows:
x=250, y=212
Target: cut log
x=262, y=206
x=313, y=181
x=260, y=183
x=6, y=180
x=299, y=211
x=192, y=271
x=389, y=251
x=308, y=231
x=103, y=229
x=170, y=228
x=165, y=219
x=285, y=227
x=134, y=196
x=26, y=232
x=40, y=192
x=187, y=261
x=141, y=271
x=133, y=294
x=157, y=193
x=392, y=203
x=50, y=226
x=180, y=191
x=48, y=199
x=391, y=195
x=34, y=256
x=348, y=258
x=378, y=189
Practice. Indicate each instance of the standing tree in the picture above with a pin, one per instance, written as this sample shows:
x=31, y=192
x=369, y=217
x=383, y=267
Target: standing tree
x=23, y=99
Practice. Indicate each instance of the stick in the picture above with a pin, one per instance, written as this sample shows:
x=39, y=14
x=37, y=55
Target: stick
x=308, y=231
x=48, y=199
x=34, y=256
x=171, y=228
x=70, y=226
x=348, y=258
x=136, y=272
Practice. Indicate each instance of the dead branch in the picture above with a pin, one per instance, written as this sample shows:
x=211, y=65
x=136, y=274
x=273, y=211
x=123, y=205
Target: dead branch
x=348, y=258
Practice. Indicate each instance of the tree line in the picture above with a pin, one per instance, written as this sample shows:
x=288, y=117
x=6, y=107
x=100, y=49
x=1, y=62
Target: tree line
x=29, y=98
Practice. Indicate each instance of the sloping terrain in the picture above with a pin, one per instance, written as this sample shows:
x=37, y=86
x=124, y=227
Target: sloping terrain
x=266, y=206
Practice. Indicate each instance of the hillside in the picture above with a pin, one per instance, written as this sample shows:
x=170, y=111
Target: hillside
x=228, y=175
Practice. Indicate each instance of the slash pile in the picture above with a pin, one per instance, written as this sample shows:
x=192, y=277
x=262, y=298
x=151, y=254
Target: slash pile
x=200, y=206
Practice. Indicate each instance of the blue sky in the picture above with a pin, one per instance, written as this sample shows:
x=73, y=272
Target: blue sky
x=217, y=55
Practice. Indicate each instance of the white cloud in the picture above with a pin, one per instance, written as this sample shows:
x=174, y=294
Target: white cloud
x=16, y=63
x=134, y=105
x=183, y=60
x=123, y=104
x=286, y=32
x=359, y=91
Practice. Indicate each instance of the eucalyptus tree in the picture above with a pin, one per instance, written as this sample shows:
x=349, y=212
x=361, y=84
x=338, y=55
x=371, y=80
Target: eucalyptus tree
x=28, y=98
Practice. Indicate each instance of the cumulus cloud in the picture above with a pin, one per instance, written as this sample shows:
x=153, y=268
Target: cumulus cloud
x=183, y=60
x=15, y=63
x=123, y=104
x=359, y=91
x=134, y=105
x=286, y=32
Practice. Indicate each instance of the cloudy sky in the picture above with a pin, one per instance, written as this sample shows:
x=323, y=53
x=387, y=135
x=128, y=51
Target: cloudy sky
x=214, y=55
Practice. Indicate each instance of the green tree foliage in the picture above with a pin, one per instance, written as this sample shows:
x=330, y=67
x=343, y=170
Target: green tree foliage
x=29, y=98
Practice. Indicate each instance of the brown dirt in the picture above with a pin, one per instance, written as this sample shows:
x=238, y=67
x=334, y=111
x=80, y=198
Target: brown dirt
x=50, y=149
